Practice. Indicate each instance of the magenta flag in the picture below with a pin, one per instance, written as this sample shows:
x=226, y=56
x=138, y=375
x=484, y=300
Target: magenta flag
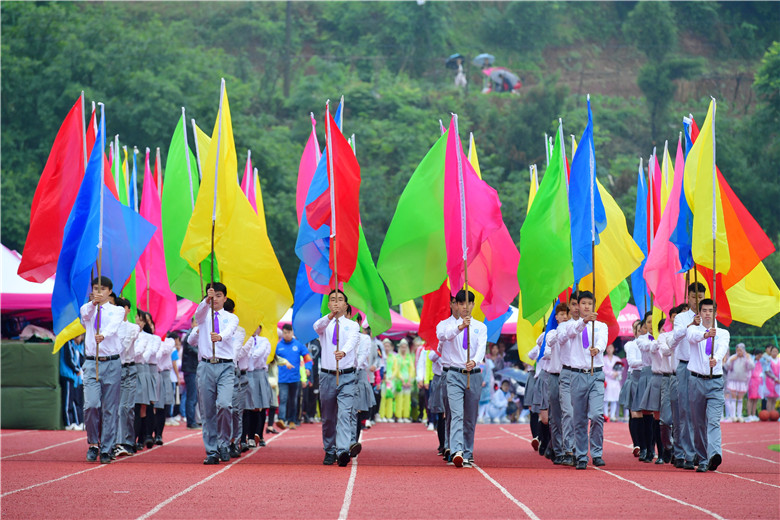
x=306, y=169
x=248, y=182
x=663, y=262
x=152, y=290
x=492, y=255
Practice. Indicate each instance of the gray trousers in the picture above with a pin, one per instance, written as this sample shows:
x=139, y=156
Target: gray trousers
x=240, y=386
x=554, y=413
x=464, y=407
x=337, y=405
x=101, y=402
x=706, y=398
x=587, y=399
x=666, y=401
x=447, y=412
x=685, y=431
x=126, y=433
x=673, y=398
x=564, y=393
x=215, y=398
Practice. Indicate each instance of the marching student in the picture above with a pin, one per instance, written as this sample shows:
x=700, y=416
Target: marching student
x=539, y=398
x=708, y=346
x=436, y=400
x=666, y=349
x=165, y=391
x=128, y=333
x=586, y=348
x=258, y=395
x=656, y=396
x=564, y=386
x=628, y=394
x=240, y=384
x=646, y=430
x=145, y=349
x=696, y=293
x=339, y=340
x=216, y=372
x=454, y=314
x=461, y=370
x=364, y=399
x=102, y=347
x=554, y=367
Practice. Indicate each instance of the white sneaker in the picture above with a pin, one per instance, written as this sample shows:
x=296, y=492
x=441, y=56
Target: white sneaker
x=430, y=427
x=71, y=427
x=80, y=427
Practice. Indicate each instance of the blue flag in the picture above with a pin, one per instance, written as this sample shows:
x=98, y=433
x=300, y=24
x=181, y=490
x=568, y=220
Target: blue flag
x=682, y=235
x=307, y=307
x=638, y=284
x=552, y=324
x=494, y=326
x=584, y=216
x=125, y=235
x=313, y=245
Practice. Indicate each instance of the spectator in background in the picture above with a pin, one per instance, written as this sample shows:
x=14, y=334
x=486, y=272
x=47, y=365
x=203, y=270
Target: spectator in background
x=613, y=373
x=755, y=386
x=293, y=351
x=496, y=357
x=499, y=403
x=189, y=367
x=772, y=377
x=740, y=366
x=311, y=393
x=71, y=359
x=406, y=378
x=390, y=383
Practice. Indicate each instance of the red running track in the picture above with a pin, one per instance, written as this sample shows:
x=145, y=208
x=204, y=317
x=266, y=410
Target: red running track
x=43, y=474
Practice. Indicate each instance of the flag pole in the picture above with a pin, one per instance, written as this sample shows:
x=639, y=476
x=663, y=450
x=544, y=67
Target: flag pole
x=100, y=238
x=463, y=240
x=127, y=175
x=84, y=129
x=547, y=148
x=714, y=226
x=214, y=214
x=651, y=224
x=317, y=153
x=592, y=168
x=135, y=178
x=332, y=188
x=158, y=165
x=192, y=189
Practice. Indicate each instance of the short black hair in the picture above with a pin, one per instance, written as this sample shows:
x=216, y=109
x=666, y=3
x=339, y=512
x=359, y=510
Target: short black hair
x=103, y=281
x=218, y=287
x=230, y=305
x=575, y=295
x=648, y=314
x=708, y=301
x=358, y=318
x=287, y=326
x=661, y=323
x=346, y=300
x=173, y=335
x=349, y=309
x=461, y=296
x=586, y=295
x=697, y=287
x=123, y=302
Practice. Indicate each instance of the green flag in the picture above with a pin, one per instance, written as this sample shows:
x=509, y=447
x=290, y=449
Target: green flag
x=619, y=297
x=366, y=291
x=413, y=258
x=179, y=192
x=545, y=267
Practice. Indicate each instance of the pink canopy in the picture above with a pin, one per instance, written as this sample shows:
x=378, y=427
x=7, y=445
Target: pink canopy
x=20, y=296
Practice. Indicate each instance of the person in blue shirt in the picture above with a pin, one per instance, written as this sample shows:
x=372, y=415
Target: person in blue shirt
x=293, y=351
x=71, y=359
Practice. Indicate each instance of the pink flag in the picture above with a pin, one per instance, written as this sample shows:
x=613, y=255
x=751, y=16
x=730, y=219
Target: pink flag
x=247, y=183
x=306, y=169
x=492, y=254
x=152, y=290
x=663, y=262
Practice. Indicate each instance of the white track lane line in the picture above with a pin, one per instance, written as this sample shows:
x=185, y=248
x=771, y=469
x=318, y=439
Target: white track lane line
x=82, y=439
x=681, y=502
x=516, y=435
x=628, y=446
x=350, y=486
x=525, y=508
x=748, y=479
x=751, y=456
x=99, y=466
x=394, y=437
x=16, y=433
x=164, y=503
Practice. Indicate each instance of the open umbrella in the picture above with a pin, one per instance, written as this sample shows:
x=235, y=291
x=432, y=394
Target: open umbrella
x=452, y=61
x=517, y=375
x=484, y=60
x=501, y=76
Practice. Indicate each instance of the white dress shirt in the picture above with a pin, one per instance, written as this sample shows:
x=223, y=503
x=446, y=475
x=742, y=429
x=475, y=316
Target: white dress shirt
x=363, y=351
x=666, y=348
x=348, y=341
x=451, y=342
x=128, y=333
x=240, y=350
x=661, y=364
x=579, y=356
x=700, y=361
x=152, y=344
x=164, y=359
x=435, y=358
x=227, y=326
x=633, y=356
x=680, y=342
x=111, y=317
x=644, y=342
x=259, y=350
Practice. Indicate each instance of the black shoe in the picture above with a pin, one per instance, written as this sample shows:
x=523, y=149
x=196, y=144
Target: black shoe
x=715, y=462
x=679, y=463
x=244, y=447
x=568, y=460
x=558, y=460
x=582, y=465
x=233, y=451
x=598, y=461
x=659, y=460
x=105, y=458
x=542, y=449
x=343, y=458
x=272, y=431
x=261, y=443
x=647, y=458
x=668, y=456
x=92, y=453
x=446, y=456
x=158, y=441
x=211, y=460
x=642, y=455
x=440, y=451
x=549, y=452
x=701, y=468
x=355, y=450
x=329, y=460
x=224, y=454
x=696, y=460
x=149, y=442
x=139, y=447
x=688, y=465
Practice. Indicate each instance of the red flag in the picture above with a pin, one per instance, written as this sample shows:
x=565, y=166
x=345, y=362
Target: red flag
x=436, y=308
x=346, y=174
x=607, y=315
x=53, y=200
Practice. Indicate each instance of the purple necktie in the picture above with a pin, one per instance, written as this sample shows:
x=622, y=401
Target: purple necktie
x=336, y=334
x=216, y=322
x=651, y=337
x=585, y=339
x=466, y=339
x=708, y=349
x=97, y=320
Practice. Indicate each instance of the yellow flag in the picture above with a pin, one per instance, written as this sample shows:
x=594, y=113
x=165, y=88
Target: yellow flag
x=617, y=255
x=700, y=185
x=667, y=177
x=204, y=143
x=247, y=262
x=755, y=298
x=72, y=330
x=534, y=188
x=409, y=311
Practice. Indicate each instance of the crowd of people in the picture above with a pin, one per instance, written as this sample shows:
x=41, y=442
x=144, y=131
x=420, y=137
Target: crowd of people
x=123, y=383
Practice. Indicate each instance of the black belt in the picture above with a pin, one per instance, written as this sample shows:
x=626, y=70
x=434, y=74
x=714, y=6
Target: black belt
x=334, y=372
x=554, y=373
x=215, y=360
x=152, y=364
x=683, y=361
x=718, y=376
x=463, y=370
x=103, y=358
x=667, y=375
x=566, y=367
x=585, y=370
x=243, y=372
x=131, y=364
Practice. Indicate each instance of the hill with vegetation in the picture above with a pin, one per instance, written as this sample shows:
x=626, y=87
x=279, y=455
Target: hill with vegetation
x=645, y=64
